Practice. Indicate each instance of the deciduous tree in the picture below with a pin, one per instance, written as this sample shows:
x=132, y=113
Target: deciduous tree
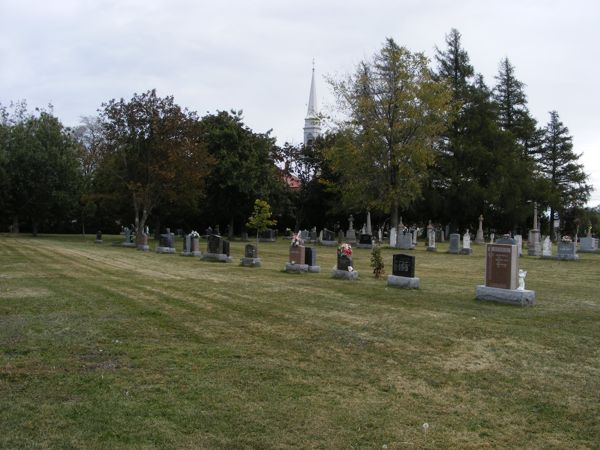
x=396, y=112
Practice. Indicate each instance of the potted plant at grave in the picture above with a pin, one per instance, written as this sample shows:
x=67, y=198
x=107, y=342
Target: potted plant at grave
x=344, y=257
x=261, y=219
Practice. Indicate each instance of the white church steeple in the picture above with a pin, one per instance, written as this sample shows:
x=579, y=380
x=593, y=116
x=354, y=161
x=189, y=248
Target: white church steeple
x=312, y=123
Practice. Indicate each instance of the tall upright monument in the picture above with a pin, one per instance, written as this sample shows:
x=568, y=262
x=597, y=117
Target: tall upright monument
x=312, y=123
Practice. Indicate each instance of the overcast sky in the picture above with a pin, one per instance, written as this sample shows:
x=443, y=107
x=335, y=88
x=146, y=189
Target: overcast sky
x=257, y=55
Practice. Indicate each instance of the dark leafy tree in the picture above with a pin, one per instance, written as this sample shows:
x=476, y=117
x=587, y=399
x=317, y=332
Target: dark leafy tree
x=153, y=152
x=245, y=168
x=560, y=165
x=41, y=167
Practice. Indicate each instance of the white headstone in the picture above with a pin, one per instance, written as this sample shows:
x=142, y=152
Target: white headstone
x=466, y=240
x=547, y=247
x=519, y=240
x=392, y=237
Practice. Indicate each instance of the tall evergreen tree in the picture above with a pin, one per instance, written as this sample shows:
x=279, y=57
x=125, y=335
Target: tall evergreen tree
x=559, y=164
x=514, y=115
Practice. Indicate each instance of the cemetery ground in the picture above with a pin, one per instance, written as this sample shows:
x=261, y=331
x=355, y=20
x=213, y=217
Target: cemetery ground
x=109, y=347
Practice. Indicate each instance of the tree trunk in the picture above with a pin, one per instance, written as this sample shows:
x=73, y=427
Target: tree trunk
x=394, y=212
x=34, y=228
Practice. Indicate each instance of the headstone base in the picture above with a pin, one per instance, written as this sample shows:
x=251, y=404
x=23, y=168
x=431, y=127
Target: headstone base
x=296, y=268
x=363, y=245
x=412, y=247
x=250, y=262
x=314, y=269
x=466, y=251
x=431, y=249
x=403, y=282
x=508, y=296
x=534, y=249
x=143, y=248
x=197, y=253
x=344, y=274
x=216, y=257
x=567, y=258
x=588, y=251
x=128, y=244
x=329, y=243
x=186, y=253
x=165, y=250
x=452, y=252
x=98, y=241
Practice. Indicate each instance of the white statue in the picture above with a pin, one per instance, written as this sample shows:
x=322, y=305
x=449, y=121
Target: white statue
x=467, y=240
x=522, y=275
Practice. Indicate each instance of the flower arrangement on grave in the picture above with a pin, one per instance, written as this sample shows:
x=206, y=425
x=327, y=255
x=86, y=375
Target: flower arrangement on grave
x=195, y=235
x=566, y=239
x=297, y=240
x=344, y=249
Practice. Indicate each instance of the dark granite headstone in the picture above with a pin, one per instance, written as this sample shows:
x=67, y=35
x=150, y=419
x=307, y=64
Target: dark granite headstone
x=225, y=246
x=365, y=239
x=328, y=235
x=99, y=235
x=165, y=240
x=251, y=251
x=403, y=266
x=454, y=246
x=343, y=262
x=215, y=244
x=310, y=256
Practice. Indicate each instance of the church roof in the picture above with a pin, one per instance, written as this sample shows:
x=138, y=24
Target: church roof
x=312, y=99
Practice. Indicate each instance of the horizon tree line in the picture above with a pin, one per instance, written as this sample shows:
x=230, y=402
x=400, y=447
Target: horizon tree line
x=415, y=141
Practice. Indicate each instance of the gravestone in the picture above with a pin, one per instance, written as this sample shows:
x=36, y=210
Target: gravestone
x=479, y=239
x=187, y=245
x=431, y=238
x=365, y=241
x=547, y=248
x=244, y=236
x=305, y=235
x=217, y=249
x=296, y=259
x=506, y=239
x=344, y=268
x=250, y=258
x=328, y=238
x=128, y=238
x=351, y=233
x=588, y=244
x=466, y=246
x=403, y=272
x=166, y=242
x=99, y=237
x=501, y=270
x=567, y=251
x=313, y=234
x=310, y=258
x=393, y=237
x=415, y=233
x=492, y=238
x=143, y=245
x=341, y=236
x=404, y=240
x=268, y=235
x=519, y=240
x=195, y=241
x=454, y=245
x=533, y=238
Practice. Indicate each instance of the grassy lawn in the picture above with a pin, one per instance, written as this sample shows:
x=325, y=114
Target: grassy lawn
x=108, y=347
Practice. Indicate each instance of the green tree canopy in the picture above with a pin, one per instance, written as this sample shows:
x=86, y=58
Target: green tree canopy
x=41, y=167
x=396, y=112
x=560, y=165
x=153, y=152
x=245, y=168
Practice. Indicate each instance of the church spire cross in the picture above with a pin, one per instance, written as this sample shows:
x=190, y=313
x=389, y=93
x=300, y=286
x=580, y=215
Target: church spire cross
x=312, y=125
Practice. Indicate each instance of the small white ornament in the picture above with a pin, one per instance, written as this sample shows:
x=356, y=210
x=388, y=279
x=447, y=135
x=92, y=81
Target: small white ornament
x=522, y=275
